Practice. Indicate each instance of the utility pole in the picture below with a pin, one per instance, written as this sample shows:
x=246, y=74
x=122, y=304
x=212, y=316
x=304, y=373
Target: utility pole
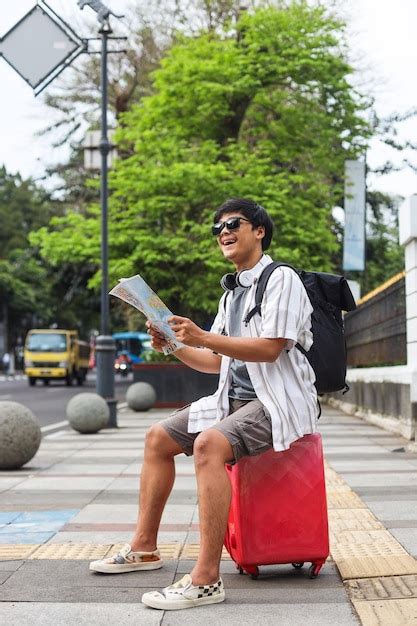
x=105, y=344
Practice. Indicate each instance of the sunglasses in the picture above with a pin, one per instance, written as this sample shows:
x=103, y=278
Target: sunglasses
x=233, y=223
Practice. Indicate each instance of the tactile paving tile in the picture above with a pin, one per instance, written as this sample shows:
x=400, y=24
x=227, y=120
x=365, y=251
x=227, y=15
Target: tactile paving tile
x=375, y=566
x=345, y=500
x=337, y=488
x=16, y=552
x=361, y=543
x=381, y=541
x=331, y=483
x=191, y=550
x=387, y=612
x=353, y=519
x=170, y=550
x=333, y=477
x=167, y=550
x=385, y=588
x=71, y=551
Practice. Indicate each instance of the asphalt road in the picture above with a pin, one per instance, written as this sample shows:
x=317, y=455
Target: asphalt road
x=49, y=403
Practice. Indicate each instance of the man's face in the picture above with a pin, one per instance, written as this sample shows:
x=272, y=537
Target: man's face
x=237, y=244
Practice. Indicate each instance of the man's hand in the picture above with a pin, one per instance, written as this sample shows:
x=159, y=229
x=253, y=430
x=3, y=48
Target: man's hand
x=201, y=360
x=186, y=331
x=158, y=341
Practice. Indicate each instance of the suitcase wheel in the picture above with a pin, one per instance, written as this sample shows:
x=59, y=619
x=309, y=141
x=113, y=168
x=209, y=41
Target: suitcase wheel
x=314, y=570
x=298, y=565
x=252, y=570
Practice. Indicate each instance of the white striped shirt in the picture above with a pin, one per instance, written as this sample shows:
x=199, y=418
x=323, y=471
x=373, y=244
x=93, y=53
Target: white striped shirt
x=286, y=386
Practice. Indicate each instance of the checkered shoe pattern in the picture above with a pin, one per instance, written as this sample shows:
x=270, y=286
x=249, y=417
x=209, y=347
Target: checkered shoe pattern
x=205, y=591
x=183, y=595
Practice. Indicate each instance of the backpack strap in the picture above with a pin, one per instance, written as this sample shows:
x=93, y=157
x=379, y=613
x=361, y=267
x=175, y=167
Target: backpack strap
x=261, y=286
x=260, y=289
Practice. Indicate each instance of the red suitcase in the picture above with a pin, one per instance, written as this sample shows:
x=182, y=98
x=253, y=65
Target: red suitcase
x=278, y=512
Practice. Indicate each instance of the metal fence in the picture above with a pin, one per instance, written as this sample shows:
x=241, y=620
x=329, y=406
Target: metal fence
x=376, y=330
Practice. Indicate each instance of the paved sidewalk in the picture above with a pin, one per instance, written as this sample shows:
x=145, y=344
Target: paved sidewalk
x=78, y=498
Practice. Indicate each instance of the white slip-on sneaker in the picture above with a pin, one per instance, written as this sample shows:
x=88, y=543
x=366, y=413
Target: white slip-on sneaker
x=184, y=595
x=128, y=561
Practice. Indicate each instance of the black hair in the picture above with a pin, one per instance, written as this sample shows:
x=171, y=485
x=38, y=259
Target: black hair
x=253, y=212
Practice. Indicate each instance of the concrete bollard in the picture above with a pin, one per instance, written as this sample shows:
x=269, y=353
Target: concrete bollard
x=140, y=396
x=20, y=435
x=87, y=412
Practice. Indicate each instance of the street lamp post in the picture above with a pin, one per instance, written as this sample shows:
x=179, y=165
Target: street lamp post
x=105, y=344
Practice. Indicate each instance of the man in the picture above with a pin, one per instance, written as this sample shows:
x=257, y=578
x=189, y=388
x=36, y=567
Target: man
x=266, y=398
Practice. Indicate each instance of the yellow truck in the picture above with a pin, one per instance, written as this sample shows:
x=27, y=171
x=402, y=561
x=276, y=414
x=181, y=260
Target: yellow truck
x=55, y=354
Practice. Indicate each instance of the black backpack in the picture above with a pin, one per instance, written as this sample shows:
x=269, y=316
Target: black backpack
x=329, y=295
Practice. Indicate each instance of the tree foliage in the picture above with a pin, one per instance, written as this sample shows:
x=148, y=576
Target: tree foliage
x=390, y=131
x=262, y=108
x=31, y=291
x=23, y=208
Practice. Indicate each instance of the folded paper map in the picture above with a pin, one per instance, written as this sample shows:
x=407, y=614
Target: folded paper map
x=136, y=292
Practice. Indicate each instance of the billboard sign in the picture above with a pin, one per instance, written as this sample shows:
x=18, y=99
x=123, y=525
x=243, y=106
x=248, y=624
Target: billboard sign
x=354, y=237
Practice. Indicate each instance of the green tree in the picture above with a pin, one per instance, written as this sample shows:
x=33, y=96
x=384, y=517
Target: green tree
x=262, y=109
x=23, y=207
x=32, y=291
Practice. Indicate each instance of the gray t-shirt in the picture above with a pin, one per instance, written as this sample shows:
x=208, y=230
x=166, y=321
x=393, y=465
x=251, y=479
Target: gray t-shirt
x=241, y=387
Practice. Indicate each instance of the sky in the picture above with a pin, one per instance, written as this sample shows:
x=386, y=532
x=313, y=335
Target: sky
x=382, y=40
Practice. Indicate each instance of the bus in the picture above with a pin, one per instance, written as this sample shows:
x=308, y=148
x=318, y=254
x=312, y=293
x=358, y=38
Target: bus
x=130, y=346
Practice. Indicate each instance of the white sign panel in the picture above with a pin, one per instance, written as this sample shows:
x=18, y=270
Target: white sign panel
x=39, y=45
x=354, y=239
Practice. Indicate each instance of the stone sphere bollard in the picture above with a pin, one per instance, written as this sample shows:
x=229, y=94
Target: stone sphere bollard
x=87, y=412
x=20, y=435
x=140, y=396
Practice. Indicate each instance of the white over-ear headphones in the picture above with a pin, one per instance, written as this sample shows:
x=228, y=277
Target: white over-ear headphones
x=244, y=278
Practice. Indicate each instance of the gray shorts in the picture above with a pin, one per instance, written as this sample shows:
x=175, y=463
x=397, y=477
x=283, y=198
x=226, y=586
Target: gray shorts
x=247, y=428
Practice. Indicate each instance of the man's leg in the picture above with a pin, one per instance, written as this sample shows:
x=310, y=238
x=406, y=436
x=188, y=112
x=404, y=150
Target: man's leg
x=162, y=444
x=204, y=586
x=156, y=481
x=211, y=451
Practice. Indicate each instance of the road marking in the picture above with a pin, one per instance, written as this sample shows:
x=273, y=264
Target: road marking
x=45, y=429
x=59, y=433
x=8, y=379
